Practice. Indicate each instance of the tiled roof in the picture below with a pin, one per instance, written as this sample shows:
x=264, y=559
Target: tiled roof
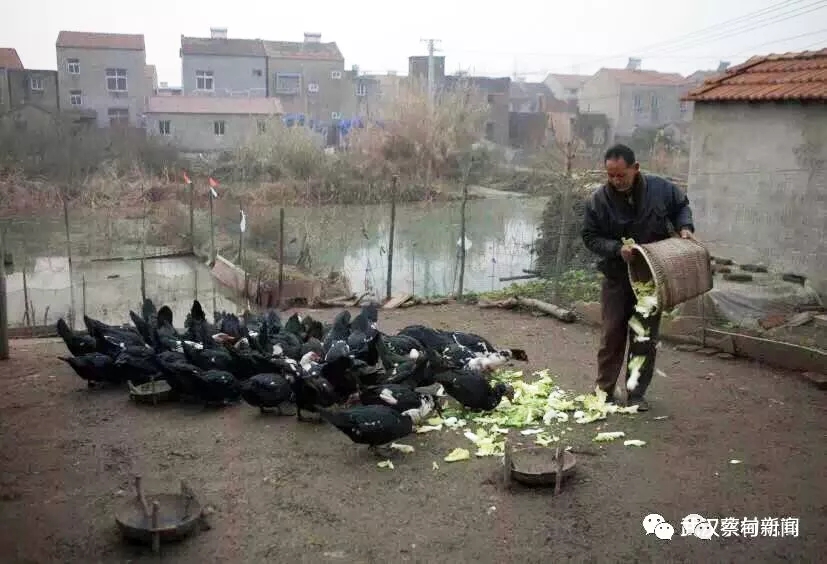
x=303, y=50
x=213, y=105
x=222, y=46
x=644, y=77
x=528, y=89
x=84, y=40
x=9, y=59
x=570, y=80
x=485, y=83
x=789, y=76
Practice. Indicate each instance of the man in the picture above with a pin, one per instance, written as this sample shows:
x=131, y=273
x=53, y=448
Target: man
x=636, y=206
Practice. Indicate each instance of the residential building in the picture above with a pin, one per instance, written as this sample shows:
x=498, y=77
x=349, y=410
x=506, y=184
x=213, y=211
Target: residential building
x=9, y=60
x=164, y=89
x=633, y=98
x=151, y=76
x=496, y=94
x=362, y=95
x=756, y=172
x=103, y=74
x=566, y=86
x=308, y=78
x=418, y=68
x=693, y=81
x=209, y=123
x=221, y=66
x=529, y=97
x=32, y=87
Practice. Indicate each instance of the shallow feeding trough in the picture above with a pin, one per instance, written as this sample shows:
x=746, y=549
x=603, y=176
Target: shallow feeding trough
x=537, y=466
x=166, y=516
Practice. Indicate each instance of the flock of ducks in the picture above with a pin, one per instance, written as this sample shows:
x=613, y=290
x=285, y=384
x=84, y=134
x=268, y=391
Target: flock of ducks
x=372, y=386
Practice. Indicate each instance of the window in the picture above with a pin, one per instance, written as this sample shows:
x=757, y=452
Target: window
x=336, y=75
x=118, y=117
x=288, y=83
x=312, y=87
x=36, y=84
x=489, y=130
x=204, y=80
x=218, y=127
x=490, y=98
x=598, y=137
x=256, y=72
x=684, y=107
x=116, y=80
x=638, y=104
x=361, y=89
x=262, y=127
x=75, y=97
x=654, y=102
x=335, y=115
x=572, y=92
x=73, y=66
x=163, y=127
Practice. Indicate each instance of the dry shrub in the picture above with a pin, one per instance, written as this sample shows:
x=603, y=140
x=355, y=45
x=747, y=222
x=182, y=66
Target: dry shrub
x=418, y=139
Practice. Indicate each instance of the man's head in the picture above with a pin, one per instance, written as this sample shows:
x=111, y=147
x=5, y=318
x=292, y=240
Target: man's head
x=621, y=167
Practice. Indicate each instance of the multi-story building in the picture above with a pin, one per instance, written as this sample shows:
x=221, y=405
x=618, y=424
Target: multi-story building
x=103, y=74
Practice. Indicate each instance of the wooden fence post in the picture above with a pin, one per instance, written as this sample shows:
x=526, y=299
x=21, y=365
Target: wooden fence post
x=281, y=256
x=4, y=320
x=389, y=283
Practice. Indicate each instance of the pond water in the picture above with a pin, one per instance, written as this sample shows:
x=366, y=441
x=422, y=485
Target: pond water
x=500, y=233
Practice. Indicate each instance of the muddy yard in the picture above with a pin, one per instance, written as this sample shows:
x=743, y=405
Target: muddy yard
x=288, y=492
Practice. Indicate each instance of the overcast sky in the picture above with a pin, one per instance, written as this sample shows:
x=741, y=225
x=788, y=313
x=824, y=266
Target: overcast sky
x=529, y=37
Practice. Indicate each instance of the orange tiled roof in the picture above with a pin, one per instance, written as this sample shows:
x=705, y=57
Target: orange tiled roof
x=788, y=76
x=84, y=40
x=9, y=59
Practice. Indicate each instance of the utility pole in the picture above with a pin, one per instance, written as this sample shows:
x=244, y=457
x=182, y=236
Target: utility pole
x=431, y=69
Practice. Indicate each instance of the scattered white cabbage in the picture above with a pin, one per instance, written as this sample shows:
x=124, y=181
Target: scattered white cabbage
x=458, y=454
x=634, y=442
x=608, y=436
x=385, y=464
x=402, y=448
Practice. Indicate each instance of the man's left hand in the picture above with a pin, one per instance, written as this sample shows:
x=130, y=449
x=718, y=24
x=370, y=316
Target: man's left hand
x=687, y=234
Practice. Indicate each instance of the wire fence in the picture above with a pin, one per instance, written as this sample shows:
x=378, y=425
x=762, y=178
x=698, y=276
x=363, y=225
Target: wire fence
x=105, y=245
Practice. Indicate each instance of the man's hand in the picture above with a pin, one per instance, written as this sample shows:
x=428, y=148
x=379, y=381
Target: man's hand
x=626, y=252
x=687, y=234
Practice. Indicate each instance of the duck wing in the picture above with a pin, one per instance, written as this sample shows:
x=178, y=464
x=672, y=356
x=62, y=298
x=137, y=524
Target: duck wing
x=369, y=424
x=429, y=337
x=396, y=396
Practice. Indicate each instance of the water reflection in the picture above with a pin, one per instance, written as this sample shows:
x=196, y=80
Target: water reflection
x=351, y=239
x=108, y=290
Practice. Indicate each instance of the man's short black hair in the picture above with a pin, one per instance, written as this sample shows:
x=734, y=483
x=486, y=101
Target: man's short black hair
x=620, y=152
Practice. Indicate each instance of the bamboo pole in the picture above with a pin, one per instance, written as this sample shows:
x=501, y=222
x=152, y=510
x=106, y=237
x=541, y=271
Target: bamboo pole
x=389, y=283
x=26, y=317
x=4, y=321
x=212, y=230
x=281, y=255
x=192, y=217
x=83, y=294
x=69, y=259
x=462, y=225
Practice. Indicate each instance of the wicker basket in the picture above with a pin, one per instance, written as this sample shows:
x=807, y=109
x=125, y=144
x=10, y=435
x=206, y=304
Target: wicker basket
x=680, y=268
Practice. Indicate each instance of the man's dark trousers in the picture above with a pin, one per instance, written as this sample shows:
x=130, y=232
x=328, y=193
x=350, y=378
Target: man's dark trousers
x=618, y=306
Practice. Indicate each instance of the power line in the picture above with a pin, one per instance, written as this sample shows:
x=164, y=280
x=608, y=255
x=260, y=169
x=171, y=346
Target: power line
x=714, y=28
x=726, y=34
x=745, y=51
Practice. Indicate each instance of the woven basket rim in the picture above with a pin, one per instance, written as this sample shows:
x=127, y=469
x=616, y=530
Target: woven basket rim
x=659, y=288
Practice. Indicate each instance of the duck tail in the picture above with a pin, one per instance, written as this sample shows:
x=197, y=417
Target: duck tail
x=336, y=419
x=64, y=331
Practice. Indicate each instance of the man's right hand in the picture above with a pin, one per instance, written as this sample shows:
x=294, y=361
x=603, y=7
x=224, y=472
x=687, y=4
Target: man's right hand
x=626, y=253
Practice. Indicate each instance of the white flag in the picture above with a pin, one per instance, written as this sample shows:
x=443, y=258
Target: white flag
x=213, y=193
x=243, y=221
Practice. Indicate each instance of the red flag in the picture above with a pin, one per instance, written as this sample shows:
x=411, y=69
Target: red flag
x=213, y=182
x=186, y=178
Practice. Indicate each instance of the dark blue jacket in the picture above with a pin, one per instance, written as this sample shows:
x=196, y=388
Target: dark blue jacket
x=661, y=209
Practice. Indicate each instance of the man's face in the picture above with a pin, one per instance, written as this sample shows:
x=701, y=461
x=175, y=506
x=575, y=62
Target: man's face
x=621, y=176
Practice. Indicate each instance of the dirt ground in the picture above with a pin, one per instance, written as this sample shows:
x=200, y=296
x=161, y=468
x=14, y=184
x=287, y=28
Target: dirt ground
x=304, y=493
